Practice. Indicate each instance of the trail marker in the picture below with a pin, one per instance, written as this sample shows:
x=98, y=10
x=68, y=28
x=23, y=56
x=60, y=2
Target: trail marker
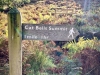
x=18, y=32
x=48, y=32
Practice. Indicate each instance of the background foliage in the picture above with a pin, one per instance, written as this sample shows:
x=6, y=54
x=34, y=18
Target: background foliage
x=46, y=58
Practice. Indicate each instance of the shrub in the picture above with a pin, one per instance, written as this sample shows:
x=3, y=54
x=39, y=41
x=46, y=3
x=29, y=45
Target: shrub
x=90, y=59
x=76, y=47
x=3, y=26
x=39, y=61
x=72, y=66
x=11, y=3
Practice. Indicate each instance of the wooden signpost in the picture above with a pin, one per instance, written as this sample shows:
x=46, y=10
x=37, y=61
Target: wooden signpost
x=14, y=39
x=18, y=32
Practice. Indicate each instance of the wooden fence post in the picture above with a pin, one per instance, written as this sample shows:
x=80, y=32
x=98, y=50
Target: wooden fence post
x=14, y=36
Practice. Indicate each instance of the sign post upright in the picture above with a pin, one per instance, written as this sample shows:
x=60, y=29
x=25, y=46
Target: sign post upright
x=14, y=39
